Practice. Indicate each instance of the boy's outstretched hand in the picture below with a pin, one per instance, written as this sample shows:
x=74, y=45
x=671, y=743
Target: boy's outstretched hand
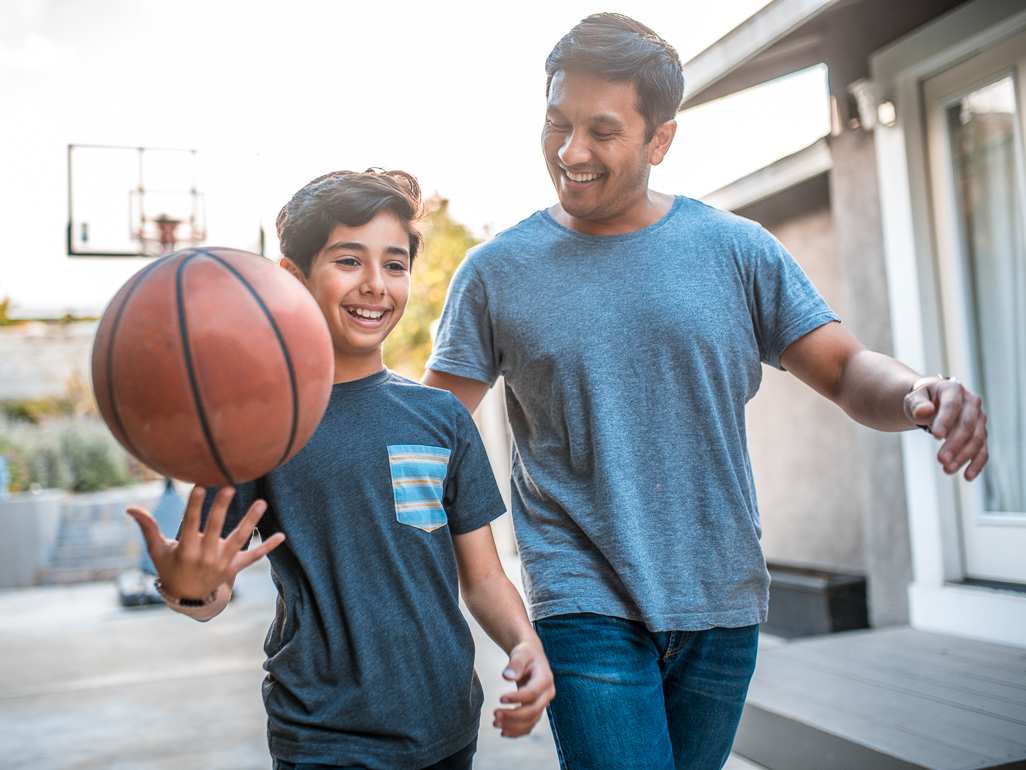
x=198, y=563
x=529, y=668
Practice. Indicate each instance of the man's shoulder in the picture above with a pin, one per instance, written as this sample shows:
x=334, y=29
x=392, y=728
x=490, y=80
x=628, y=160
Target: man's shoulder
x=698, y=212
x=513, y=239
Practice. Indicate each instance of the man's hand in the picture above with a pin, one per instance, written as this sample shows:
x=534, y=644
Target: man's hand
x=199, y=563
x=954, y=415
x=529, y=668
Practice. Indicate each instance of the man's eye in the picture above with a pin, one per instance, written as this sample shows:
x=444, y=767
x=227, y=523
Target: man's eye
x=599, y=135
x=556, y=126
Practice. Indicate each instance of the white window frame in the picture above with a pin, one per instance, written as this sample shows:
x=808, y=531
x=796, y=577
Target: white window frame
x=938, y=601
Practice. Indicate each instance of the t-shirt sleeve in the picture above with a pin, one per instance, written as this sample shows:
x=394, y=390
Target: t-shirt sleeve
x=464, y=343
x=785, y=305
x=471, y=497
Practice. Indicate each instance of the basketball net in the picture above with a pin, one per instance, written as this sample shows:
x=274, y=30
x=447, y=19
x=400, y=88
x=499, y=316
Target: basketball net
x=160, y=236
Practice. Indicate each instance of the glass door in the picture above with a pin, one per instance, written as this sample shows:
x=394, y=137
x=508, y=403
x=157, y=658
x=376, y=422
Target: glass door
x=975, y=127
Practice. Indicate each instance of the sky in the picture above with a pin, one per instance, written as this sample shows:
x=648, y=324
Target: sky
x=452, y=92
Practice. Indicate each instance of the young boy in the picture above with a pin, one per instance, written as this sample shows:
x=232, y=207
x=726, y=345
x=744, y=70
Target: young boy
x=372, y=528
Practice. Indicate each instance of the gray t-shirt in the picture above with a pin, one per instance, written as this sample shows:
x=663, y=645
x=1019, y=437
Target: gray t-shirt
x=628, y=361
x=369, y=659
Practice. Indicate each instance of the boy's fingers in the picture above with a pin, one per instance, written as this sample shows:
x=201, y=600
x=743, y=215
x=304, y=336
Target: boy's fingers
x=150, y=529
x=215, y=521
x=244, y=531
x=516, y=722
x=247, y=558
x=193, y=510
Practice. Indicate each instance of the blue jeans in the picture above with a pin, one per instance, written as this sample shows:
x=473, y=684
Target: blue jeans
x=630, y=698
x=461, y=760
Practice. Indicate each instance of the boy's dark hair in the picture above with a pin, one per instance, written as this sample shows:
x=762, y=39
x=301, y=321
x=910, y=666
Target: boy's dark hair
x=352, y=198
x=621, y=50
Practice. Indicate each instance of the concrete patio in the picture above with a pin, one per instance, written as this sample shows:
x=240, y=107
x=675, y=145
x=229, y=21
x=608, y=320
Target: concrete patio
x=86, y=684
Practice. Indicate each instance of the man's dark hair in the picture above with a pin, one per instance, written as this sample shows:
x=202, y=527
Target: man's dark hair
x=621, y=50
x=351, y=198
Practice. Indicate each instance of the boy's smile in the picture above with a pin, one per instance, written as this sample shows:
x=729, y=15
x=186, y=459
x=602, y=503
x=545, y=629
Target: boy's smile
x=361, y=281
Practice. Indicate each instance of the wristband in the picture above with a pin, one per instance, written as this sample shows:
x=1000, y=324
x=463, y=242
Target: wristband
x=918, y=384
x=175, y=601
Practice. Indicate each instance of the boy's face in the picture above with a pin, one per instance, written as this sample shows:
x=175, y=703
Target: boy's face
x=361, y=281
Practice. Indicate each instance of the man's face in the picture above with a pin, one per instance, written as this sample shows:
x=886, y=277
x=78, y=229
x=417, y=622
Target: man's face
x=595, y=147
x=361, y=281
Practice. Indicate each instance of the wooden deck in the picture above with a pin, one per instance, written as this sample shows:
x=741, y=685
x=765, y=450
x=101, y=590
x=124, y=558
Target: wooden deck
x=891, y=699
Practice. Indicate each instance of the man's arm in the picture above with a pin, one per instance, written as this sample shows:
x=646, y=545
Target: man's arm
x=884, y=394
x=467, y=390
x=495, y=603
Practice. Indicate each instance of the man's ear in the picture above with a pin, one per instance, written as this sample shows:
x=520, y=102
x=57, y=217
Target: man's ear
x=661, y=142
x=293, y=268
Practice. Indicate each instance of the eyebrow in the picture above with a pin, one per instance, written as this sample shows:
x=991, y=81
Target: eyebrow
x=602, y=117
x=357, y=246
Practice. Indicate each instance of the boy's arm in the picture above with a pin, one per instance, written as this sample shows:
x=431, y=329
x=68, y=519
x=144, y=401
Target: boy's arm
x=496, y=605
x=197, y=571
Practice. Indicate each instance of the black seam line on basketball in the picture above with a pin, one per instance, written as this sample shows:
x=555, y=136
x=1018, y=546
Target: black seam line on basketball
x=281, y=342
x=111, y=338
x=183, y=331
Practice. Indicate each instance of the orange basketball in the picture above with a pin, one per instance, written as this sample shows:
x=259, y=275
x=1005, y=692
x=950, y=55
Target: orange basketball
x=212, y=366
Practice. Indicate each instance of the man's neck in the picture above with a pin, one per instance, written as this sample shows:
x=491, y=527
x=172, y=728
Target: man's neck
x=649, y=210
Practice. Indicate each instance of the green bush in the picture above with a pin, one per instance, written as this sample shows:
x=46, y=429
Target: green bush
x=78, y=454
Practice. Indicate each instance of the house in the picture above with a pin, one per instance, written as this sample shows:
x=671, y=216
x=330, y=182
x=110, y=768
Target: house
x=909, y=216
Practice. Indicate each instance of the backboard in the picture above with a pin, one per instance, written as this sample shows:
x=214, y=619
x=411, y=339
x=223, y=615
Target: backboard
x=137, y=201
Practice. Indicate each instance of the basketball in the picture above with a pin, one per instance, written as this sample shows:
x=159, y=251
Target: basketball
x=212, y=366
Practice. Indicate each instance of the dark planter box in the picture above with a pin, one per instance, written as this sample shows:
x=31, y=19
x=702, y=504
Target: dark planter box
x=809, y=602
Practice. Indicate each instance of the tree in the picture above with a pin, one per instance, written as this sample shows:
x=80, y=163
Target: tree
x=407, y=348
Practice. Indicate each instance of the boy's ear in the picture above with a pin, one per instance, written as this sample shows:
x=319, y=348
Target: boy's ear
x=293, y=268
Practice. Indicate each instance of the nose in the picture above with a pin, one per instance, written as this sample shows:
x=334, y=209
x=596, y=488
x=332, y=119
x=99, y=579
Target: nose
x=373, y=281
x=575, y=149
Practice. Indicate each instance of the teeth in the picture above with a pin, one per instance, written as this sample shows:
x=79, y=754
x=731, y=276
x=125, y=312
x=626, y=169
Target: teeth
x=373, y=314
x=582, y=177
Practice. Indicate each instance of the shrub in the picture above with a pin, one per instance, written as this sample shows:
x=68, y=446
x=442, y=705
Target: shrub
x=77, y=453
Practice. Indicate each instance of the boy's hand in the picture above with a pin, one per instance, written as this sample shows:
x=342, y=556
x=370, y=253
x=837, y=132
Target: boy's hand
x=529, y=668
x=197, y=564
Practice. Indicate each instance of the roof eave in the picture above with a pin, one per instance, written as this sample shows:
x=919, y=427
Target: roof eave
x=703, y=75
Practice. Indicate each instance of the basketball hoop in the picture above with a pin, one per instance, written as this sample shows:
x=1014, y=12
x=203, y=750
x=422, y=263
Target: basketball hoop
x=167, y=227
x=180, y=224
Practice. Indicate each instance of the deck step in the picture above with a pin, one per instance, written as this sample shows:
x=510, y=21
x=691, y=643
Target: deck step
x=892, y=699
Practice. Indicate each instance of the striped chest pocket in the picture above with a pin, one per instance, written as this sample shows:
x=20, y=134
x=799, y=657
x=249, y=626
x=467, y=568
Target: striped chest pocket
x=418, y=478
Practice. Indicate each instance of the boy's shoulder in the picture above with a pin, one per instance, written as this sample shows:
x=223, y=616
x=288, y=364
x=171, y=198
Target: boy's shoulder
x=425, y=399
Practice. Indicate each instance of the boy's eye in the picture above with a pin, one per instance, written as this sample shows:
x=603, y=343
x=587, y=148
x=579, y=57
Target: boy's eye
x=347, y=261
x=396, y=267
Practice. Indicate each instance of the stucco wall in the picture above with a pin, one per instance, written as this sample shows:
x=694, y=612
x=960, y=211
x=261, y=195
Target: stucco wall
x=802, y=446
x=38, y=359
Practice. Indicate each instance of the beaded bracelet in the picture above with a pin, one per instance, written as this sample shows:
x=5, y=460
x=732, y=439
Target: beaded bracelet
x=175, y=601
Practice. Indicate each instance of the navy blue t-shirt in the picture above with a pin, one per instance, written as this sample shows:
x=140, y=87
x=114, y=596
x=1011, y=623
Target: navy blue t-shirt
x=369, y=660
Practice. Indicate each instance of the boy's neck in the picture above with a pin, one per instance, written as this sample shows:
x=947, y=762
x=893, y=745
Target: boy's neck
x=351, y=369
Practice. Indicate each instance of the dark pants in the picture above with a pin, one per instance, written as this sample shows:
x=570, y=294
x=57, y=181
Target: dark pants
x=630, y=698
x=461, y=760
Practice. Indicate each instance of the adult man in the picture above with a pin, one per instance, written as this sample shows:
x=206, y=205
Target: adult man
x=631, y=327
